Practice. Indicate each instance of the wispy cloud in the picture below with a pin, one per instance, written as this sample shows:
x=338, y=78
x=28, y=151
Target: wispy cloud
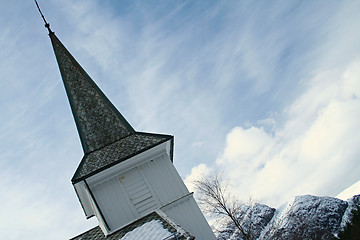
x=313, y=149
x=316, y=152
x=254, y=86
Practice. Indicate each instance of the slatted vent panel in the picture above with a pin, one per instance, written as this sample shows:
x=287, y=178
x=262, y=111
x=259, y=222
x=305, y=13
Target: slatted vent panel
x=139, y=192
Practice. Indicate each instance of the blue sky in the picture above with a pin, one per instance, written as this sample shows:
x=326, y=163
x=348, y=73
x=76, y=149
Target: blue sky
x=266, y=92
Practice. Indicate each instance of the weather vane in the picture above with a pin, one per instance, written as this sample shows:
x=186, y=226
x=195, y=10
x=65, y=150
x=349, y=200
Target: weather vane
x=47, y=25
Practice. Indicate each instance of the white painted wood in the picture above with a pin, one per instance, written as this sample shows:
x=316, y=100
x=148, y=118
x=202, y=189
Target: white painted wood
x=124, y=198
x=86, y=196
x=138, y=191
x=128, y=164
x=85, y=199
x=149, y=184
x=113, y=203
x=187, y=214
x=165, y=185
x=130, y=190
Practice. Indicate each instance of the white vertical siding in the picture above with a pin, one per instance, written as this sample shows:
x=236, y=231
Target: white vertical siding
x=166, y=185
x=138, y=191
x=187, y=214
x=128, y=195
x=85, y=199
x=113, y=203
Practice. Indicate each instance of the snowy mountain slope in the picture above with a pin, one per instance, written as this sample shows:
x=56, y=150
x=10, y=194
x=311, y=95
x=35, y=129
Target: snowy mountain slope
x=352, y=203
x=253, y=220
x=307, y=217
x=350, y=191
x=304, y=217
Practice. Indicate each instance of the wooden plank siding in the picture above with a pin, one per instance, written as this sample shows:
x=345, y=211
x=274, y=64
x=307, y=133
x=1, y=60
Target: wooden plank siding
x=164, y=179
x=138, y=191
x=187, y=214
x=85, y=199
x=114, y=203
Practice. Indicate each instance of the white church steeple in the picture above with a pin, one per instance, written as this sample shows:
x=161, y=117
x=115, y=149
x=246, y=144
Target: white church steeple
x=125, y=176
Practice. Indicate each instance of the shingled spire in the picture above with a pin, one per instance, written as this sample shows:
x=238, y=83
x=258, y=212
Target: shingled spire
x=126, y=178
x=98, y=122
x=106, y=137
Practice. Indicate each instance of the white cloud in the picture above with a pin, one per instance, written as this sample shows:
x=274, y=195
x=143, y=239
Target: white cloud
x=29, y=208
x=350, y=87
x=244, y=144
x=194, y=69
x=196, y=173
x=316, y=152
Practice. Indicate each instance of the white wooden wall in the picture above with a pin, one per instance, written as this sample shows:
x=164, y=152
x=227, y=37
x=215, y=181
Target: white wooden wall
x=164, y=179
x=187, y=214
x=138, y=191
x=138, y=186
x=85, y=199
x=113, y=203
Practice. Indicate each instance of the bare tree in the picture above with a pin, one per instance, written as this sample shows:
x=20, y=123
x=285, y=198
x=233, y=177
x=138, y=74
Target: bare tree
x=215, y=198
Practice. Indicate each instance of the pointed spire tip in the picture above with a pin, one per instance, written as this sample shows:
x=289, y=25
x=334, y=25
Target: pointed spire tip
x=47, y=25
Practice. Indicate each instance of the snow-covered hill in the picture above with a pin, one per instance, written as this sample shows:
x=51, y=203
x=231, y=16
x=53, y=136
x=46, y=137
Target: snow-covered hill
x=350, y=191
x=304, y=217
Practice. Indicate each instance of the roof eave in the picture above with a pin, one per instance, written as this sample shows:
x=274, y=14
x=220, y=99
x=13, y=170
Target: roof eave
x=75, y=179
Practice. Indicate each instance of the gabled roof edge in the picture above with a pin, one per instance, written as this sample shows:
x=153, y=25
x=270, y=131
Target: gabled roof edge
x=75, y=180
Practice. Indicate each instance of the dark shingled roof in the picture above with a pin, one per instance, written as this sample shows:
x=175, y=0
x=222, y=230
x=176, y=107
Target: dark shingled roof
x=117, y=152
x=98, y=122
x=96, y=233
x=106, y=137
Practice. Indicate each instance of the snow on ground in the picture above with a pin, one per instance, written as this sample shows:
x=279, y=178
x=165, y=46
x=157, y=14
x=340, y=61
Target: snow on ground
x=350, y=191
x=152, y=230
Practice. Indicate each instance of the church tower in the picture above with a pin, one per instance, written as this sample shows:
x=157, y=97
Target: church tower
x=126, y=178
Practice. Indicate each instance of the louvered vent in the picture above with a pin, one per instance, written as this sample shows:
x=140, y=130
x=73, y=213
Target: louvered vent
x=139, y=192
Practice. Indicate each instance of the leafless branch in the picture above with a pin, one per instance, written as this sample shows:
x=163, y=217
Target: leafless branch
x=215, y=198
